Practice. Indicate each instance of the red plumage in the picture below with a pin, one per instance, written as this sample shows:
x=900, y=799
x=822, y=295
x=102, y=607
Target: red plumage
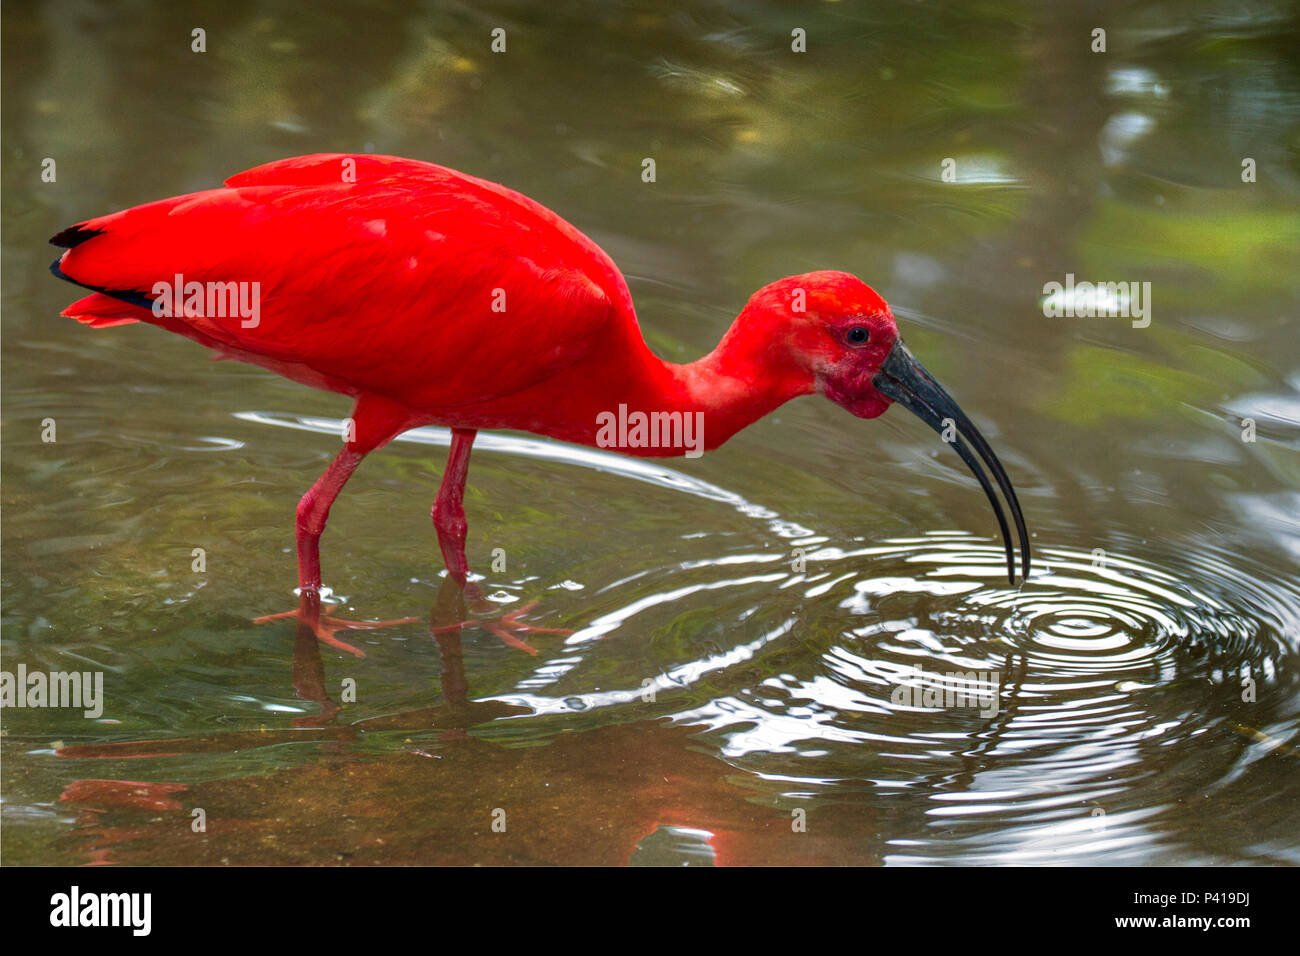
x=403, y=261
x=433, y=297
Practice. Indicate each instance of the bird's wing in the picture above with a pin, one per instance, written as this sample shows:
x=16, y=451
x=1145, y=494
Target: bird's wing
x=393, y=276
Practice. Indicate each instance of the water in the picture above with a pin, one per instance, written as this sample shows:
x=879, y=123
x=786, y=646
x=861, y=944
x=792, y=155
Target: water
x=783, y=651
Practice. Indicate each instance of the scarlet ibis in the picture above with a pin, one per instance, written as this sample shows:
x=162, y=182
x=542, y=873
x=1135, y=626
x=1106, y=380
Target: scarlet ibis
x=433, y=297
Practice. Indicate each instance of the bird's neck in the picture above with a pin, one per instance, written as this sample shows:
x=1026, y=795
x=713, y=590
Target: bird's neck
x=723, y=392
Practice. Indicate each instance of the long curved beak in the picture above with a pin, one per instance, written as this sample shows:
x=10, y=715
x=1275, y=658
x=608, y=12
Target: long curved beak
x=906, y=381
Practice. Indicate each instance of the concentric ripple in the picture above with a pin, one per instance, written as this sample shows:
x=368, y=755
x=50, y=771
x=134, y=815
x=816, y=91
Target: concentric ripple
x=1040, y=720
x=1102, y=614
x=1028, y=714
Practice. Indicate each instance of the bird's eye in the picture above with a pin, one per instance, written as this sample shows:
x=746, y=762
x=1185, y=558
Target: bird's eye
x=858, y=335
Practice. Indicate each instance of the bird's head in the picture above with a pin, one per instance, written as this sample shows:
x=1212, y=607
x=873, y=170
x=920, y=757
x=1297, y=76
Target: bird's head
x=829, y=332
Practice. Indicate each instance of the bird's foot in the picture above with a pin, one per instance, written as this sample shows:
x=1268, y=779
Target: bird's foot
x=505, y=625
x=312, y=614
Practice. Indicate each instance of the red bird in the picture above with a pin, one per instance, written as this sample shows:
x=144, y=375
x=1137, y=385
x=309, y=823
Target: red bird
x=433, y=297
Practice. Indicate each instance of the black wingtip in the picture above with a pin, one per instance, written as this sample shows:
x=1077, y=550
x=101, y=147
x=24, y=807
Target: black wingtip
x=133, y=296
x=74, y=236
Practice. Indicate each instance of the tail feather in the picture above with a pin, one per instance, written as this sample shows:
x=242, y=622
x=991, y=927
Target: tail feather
x=100, y=311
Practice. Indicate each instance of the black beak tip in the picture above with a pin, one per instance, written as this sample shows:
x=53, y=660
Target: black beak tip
x=906, y=381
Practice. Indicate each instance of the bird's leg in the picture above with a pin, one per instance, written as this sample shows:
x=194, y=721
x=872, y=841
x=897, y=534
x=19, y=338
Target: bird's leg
x=314, y=511
x=449, y=507
x=373, y=424
x=449, y=521
x=314, y=615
